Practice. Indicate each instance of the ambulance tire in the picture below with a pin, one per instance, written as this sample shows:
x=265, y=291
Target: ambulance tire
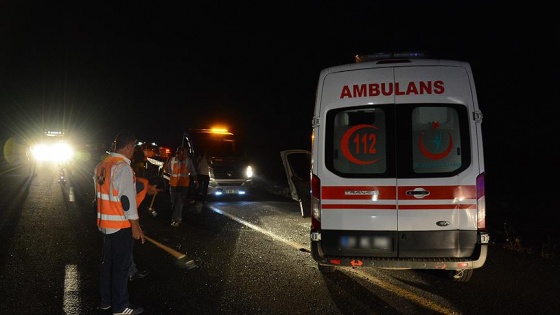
x=317, y=254
x=316, y=251
x=463, y=275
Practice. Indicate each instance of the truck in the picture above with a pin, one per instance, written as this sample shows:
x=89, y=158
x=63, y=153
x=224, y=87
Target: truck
x=230, y=172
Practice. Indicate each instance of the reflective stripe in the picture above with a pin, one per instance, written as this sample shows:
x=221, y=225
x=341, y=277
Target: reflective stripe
x=106, y=197
x=111, y=217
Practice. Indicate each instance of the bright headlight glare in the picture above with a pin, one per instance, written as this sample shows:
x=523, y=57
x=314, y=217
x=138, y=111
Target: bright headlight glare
x=56, y=152
x=249, y=171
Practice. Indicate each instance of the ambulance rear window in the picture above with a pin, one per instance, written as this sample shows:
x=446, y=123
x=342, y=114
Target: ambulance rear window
x=404, y=140
x=436, y=140
x=358, y=142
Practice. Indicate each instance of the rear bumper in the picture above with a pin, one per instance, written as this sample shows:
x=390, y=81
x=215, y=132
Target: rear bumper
x=442, y=263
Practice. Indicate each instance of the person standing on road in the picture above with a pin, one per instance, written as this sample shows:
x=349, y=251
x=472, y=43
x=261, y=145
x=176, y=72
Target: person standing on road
x=180, y=168
x=118, y=221
x=203, y=176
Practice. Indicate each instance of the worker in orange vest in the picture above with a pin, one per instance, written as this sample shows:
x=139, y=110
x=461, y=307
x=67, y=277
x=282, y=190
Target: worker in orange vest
x=118, y=222
x=180, y=169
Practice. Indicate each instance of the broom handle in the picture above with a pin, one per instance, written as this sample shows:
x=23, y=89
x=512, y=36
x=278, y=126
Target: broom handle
x=169, y=250
x=153, y=198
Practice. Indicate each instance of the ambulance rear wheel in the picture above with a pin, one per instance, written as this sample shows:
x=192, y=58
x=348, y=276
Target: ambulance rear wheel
x=463, y=275
x=317, y=254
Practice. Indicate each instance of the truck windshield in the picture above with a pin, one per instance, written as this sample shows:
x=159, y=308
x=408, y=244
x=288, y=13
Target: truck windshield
x=223, y=145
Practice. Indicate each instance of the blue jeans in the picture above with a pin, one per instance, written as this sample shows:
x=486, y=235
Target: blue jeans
x=117, y=257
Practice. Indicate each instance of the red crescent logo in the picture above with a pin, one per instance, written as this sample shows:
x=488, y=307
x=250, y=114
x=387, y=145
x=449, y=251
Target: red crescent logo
x=435, y=156
x=346, y=139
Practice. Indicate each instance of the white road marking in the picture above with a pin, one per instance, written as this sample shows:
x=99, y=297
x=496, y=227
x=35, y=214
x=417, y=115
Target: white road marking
x=71, y=300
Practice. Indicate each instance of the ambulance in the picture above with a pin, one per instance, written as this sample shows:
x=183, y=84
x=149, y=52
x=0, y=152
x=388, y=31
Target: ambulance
x=397, y=166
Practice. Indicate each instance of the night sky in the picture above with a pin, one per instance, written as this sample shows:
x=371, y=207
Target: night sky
x=157, y=68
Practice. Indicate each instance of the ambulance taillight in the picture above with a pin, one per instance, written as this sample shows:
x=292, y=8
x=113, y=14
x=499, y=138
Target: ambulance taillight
x=315, y=203
x=481, y=202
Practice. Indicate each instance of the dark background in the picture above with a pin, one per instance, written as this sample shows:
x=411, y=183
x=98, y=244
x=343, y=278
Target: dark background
x=157, y=68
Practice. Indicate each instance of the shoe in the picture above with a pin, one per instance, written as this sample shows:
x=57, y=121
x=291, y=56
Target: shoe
x=139, y=275
x=175, y=224
x=130, y=310
x=104, y=306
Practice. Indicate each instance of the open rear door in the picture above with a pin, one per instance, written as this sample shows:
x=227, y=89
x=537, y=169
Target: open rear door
x=297, y=165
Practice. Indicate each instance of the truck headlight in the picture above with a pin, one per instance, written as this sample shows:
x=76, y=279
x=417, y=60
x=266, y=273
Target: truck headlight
x=56, y=152
x=249, y=171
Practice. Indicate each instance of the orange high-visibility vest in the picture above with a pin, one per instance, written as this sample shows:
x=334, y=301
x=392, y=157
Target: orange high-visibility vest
x=110, y=213
x=179, y=174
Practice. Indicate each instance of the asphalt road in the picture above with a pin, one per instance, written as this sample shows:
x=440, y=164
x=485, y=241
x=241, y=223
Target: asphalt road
x=251, y=257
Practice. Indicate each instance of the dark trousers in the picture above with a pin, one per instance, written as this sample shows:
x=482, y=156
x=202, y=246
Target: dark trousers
x=117, y=254
x=178, y=196
x=203, y=181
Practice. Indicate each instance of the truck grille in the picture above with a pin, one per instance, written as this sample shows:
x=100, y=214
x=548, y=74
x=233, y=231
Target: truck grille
x=229, y=173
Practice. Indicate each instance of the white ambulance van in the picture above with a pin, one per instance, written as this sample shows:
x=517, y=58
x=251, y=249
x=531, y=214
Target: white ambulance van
x=397, y=166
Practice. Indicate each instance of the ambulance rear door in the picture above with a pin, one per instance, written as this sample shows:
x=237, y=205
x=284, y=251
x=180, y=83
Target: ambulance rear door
x=355, y=160
x=436, y=161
